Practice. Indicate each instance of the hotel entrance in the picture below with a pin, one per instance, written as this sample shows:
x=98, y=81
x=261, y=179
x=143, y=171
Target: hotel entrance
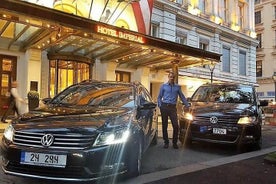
x=8, y=74
x=64, y=73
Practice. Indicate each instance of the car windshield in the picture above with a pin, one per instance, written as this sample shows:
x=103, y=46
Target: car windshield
x=224, y=94
x=97, y=95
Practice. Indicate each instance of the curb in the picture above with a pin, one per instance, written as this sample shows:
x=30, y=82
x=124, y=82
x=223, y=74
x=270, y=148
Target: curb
x=155, y=176
x=270, y=158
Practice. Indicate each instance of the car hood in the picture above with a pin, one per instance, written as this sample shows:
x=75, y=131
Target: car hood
x=222, y=109
x=64, y=119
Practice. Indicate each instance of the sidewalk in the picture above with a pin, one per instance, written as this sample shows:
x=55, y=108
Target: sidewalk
x=249, y=171
x=246, y=168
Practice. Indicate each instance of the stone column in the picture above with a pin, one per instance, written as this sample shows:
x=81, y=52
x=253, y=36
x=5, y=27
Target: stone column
x=167, y=25
x=33, y=58
x=142, y=75
x=175, y=70
x=192, y=38
x=104, y=71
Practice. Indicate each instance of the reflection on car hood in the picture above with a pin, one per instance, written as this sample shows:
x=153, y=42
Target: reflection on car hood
x=50, y=117
x=221, y=108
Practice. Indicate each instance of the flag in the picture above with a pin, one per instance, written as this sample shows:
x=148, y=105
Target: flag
x=142, y=11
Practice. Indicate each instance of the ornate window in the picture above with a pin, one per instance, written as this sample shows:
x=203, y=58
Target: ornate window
x=242, y=63
x=258, y=17
x=259, y=69
x=226, y=59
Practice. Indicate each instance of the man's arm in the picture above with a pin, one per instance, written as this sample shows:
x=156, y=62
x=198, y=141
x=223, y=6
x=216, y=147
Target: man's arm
x=183, y=98
x=160, y=95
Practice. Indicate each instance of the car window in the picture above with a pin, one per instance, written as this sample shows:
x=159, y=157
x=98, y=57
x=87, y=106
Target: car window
x=91, y=95
x=143, y=96
x=224, y=94
x=116, y=98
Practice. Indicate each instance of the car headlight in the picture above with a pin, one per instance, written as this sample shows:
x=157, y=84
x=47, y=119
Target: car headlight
x=188, y=116
x=9, y=132
x=247, y=120
x=113, y=137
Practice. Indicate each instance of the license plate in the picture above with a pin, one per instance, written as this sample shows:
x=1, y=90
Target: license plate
x=42, y=159
x=203, y=129
x=220, y=131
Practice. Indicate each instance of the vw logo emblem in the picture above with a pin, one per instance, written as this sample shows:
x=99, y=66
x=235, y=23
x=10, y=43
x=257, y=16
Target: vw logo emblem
x=47, y=140
x=213, y=119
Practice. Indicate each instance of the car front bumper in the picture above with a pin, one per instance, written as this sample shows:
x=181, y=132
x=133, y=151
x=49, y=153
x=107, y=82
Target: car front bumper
x=82, y=165
x=232, y=133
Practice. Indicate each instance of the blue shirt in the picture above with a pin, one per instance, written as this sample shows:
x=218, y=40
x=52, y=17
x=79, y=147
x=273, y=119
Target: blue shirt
x=169, y=94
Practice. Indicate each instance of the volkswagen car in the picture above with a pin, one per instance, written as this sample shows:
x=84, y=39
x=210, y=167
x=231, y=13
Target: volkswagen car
x=225, y=114
x=89, y=131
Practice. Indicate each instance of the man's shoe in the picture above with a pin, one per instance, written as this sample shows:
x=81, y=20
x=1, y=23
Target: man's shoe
x=175, y=146
x=166, y=146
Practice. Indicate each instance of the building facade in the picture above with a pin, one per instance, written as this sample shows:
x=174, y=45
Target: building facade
x=265, y=24
x=223, y=27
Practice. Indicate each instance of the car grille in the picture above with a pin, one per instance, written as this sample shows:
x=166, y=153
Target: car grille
x=68, y=173
x=225, y=122
x=47, y=171
x=61, y=141
x=222, y=120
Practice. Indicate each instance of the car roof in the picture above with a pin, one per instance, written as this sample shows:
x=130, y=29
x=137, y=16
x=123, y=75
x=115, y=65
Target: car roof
x=227, y=84
x=113, y=83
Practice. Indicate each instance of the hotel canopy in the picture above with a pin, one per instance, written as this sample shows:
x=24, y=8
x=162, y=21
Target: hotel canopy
x=26, y=26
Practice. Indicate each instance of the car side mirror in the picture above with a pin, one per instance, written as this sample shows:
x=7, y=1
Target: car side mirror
x=46, y=100
x=147, y=105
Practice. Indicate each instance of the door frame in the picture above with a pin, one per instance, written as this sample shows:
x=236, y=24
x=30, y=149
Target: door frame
x=12, y=73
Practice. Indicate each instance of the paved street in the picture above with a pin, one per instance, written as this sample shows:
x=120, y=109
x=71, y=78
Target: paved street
x=159, y=162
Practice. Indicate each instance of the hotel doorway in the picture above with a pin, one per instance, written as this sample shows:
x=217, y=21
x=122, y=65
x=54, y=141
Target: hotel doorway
x=7, y=75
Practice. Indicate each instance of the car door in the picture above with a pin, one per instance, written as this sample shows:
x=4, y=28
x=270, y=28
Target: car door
x=146, y=115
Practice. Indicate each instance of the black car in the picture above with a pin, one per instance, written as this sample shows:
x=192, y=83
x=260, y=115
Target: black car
x=89, y=131
x=224, y=114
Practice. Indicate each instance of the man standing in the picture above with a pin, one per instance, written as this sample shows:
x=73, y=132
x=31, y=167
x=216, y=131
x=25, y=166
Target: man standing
x=167, y=100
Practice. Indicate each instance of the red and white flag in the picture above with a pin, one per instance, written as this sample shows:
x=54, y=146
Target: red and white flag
x=142, y=12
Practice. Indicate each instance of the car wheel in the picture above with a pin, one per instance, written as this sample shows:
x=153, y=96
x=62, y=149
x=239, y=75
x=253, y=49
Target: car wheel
x=187, y=140
x=154, y=140
x=134, y=163
x=241, y=148
x=258, y=144
x=185, y=135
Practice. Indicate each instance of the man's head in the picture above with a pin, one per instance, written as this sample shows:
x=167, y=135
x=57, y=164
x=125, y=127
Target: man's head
x=14, y=84
x=171, y=77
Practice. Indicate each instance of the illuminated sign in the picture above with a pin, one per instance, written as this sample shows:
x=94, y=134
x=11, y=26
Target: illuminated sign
x=120, y=34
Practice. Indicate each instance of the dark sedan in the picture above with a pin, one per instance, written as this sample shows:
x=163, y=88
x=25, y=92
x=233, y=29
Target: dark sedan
x=224, y=114
x=89, y=131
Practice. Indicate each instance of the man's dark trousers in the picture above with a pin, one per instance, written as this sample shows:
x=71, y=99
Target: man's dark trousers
x=169, y=110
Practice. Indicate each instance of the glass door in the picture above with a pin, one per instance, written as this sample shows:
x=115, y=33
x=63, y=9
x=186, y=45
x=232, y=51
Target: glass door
x=7, y=75
x=64, y=73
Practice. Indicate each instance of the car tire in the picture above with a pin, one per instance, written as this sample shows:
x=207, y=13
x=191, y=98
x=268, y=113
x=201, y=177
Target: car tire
x=155, y=139
x=185, y=135
x=258, y=144
x=134, y=162
x=241, y=148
